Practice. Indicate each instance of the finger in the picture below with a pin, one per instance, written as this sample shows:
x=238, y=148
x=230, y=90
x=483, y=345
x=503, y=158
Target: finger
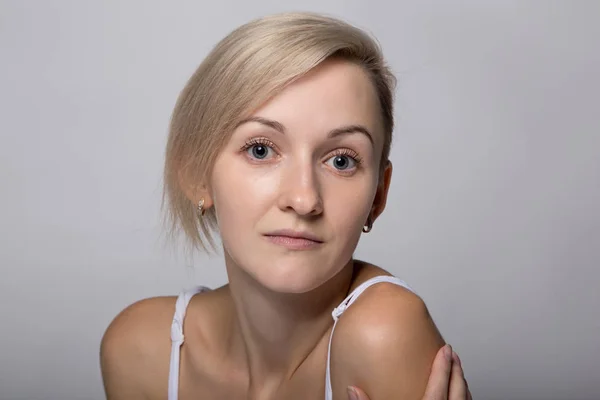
x=437, y=386
x=458, y=385
x=357, y=393
x=469, y=395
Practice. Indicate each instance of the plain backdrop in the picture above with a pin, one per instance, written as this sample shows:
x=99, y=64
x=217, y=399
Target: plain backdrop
x=493, y=215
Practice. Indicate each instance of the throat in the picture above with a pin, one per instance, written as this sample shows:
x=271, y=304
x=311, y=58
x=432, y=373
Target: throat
x=275, y=335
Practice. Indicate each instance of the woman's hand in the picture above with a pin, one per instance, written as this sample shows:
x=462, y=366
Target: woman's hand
x=446, y=381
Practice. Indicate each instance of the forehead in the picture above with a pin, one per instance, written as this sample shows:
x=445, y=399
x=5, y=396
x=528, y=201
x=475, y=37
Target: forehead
x=336, y=93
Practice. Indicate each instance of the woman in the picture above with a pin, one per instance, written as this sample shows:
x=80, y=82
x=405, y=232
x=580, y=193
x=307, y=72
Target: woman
x=280, y=141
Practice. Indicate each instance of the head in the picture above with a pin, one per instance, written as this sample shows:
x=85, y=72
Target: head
x=285, y=126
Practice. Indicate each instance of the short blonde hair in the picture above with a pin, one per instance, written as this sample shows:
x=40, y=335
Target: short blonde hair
x=242, y=72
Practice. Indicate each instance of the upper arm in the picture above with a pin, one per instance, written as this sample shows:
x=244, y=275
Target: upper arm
x=385, y=344
x=134, y=352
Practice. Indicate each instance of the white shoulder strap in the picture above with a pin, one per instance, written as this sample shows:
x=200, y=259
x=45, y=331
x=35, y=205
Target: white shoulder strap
x=339, y=310
x=177, y=337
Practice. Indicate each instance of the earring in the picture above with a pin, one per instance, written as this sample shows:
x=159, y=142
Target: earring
x=367, y=228
x=201, y=208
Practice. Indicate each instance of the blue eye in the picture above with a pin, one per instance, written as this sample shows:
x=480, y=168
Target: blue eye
x=342, y=162
x=259, y=149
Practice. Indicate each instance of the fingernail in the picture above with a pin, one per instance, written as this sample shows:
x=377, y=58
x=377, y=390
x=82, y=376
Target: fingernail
x=352, y=394
x=448, y=352
x=456, y=358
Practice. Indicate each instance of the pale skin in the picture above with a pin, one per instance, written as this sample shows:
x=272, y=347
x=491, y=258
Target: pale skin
x=307, y=161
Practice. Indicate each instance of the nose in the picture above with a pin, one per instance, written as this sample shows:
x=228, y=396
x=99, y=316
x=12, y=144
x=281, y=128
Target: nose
x=300, y=190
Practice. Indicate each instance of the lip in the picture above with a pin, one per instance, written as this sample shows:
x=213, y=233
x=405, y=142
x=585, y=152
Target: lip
x=294, y=240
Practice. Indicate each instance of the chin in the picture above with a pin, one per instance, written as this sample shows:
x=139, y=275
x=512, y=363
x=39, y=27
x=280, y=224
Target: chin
x=293, y=272
x=289, y=276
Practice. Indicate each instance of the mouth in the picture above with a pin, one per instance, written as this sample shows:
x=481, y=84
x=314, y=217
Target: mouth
x=294, y=240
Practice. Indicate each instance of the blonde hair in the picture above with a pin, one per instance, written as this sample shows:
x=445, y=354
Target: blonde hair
x=243, y=71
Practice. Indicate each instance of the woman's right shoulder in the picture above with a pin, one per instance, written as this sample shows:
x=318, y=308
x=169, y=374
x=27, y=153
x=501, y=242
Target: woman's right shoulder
x=135, y=350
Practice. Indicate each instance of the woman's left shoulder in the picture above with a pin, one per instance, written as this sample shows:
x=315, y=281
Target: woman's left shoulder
x=387, y=307
x=391, y=292
x=385, y=342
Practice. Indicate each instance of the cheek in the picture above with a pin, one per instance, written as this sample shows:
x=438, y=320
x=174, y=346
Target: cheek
x=349, y=206
x=240, y=193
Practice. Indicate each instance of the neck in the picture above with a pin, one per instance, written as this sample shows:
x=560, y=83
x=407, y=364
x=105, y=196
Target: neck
x=273, y=333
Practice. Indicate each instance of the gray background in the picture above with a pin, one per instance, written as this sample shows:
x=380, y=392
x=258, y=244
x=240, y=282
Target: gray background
x=494, y=209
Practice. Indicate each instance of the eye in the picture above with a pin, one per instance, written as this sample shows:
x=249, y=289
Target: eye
x=344, y=160
x=259, y=149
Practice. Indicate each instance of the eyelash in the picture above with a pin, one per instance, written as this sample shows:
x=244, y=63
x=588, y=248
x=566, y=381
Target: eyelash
x=338, y=152
x=346, y=152
x=261, y=141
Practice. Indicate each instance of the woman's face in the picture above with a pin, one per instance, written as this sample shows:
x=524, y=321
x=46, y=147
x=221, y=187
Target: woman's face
x=297, y=181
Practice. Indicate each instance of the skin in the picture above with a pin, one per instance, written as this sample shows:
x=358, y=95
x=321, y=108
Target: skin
x=264, y=335
x=446, y=382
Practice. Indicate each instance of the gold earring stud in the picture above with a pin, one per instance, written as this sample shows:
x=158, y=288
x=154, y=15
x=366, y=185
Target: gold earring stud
x=367, y=228
x=201, y=208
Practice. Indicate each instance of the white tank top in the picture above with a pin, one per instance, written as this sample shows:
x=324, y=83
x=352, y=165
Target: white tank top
x=184, y=299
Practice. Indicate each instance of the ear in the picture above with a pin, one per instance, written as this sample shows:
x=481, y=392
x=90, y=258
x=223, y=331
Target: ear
x=194, y=189
x=382, y=192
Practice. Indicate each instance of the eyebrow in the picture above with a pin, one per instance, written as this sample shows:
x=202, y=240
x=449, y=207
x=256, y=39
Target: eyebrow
x=344, y=130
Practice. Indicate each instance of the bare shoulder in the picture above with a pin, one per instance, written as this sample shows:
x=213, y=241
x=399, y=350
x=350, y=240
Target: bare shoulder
x=135, y=350
x=385, y=343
